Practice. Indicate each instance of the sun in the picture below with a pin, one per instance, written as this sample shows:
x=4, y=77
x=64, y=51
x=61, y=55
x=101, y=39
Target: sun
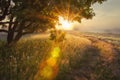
x=63, y=24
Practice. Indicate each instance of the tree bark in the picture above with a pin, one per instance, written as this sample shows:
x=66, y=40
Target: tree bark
x=17, y=37
x=10, y=37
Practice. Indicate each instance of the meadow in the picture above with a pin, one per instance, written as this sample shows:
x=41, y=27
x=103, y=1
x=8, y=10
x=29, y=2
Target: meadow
x=78, y=57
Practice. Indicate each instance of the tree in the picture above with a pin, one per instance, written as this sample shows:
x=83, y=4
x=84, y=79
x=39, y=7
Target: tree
x=22, y=17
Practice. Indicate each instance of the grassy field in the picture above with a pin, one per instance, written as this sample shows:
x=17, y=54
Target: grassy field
x=79, y=57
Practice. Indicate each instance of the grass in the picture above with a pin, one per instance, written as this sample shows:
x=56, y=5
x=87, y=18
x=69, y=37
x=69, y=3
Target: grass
x=80, y=59
x=21, y=61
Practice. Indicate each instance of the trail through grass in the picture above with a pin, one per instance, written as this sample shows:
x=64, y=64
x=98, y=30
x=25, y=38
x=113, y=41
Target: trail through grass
x=80, y=58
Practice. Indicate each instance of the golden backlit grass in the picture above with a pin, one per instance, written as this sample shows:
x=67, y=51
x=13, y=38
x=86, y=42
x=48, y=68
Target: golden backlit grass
x=76, y=58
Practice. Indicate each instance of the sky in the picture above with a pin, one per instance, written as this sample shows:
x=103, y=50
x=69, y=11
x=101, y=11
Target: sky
x=107, y=18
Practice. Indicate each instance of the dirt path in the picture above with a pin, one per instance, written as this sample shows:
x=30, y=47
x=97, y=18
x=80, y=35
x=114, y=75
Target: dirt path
x=98, y=60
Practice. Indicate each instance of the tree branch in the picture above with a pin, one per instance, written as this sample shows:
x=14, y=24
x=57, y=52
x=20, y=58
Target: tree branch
x=2, y=30
x=29, y=32
x=28, y=25
x=5, y=12
x=10, y=25
x=2, y=23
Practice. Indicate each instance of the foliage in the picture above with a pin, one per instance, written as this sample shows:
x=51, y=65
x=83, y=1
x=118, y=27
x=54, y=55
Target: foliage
x=57, y=35
x=23, y=17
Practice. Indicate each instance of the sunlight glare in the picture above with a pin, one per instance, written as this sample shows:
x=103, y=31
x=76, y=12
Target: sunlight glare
x=64, y=24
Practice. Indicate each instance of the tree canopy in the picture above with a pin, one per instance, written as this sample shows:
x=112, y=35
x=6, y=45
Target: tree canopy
x=20, y=17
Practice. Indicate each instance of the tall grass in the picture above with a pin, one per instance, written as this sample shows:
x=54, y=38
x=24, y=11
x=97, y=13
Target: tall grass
x=21, y=61
x=80, y=59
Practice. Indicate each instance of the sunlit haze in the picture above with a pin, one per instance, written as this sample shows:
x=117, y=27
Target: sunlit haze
x=64, y=24
x=107, y=18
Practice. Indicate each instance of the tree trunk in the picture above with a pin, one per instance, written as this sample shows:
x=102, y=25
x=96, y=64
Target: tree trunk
x=11, y=40
x=17, y=37
x=10, y=37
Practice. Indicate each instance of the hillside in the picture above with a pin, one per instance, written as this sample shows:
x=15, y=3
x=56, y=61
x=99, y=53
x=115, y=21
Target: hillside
x=78, y=57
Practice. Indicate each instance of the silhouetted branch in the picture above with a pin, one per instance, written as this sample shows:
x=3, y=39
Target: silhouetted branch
x=29, y=32
x=5, y=12
x=2, y=30
x=2, y=23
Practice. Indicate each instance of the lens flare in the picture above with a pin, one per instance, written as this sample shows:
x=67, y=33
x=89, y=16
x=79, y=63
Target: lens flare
x=52, y=62
x=47, y=72
x=55, y=52
x=49, y=67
